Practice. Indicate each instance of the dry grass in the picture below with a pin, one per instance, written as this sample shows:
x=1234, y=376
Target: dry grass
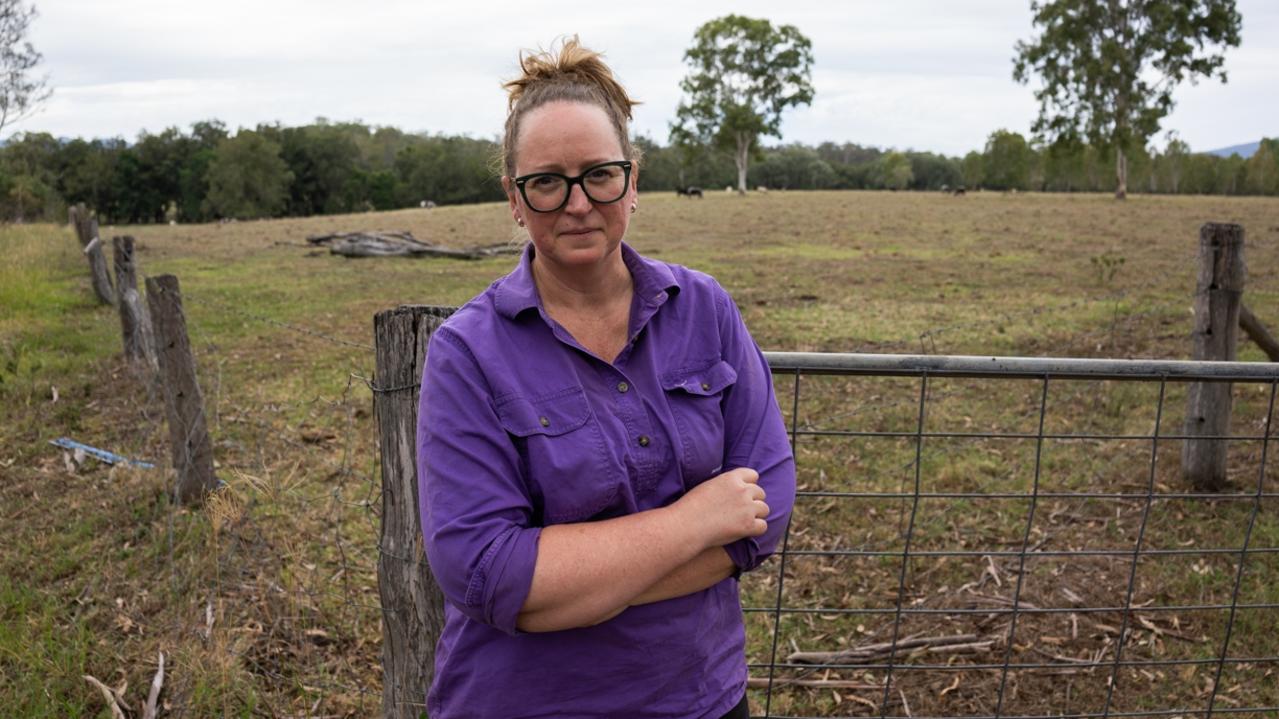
x=266, y=599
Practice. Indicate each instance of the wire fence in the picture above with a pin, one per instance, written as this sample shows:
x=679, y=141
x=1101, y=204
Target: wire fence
x=884, y=601
x=913, y=620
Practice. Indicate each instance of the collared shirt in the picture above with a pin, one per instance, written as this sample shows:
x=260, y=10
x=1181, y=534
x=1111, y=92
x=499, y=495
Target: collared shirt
x=520, y=427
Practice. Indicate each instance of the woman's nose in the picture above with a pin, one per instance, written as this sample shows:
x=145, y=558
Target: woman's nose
x=578, y=202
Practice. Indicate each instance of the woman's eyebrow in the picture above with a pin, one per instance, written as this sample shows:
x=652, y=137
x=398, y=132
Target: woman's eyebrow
x=559, y=169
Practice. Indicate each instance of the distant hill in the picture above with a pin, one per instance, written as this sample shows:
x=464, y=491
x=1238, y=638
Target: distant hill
x=1244, y=151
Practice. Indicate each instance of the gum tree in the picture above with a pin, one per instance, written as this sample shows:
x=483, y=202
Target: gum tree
x=742, y=74
x=20, y=92
x=1109, y=67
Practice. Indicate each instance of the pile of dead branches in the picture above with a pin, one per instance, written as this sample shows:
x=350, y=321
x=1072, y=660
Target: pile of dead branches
x=401, y=244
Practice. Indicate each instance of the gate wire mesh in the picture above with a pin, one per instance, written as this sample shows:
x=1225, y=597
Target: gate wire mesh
x=1114, y=594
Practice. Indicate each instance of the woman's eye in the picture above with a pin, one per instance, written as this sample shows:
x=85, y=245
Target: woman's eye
x=544, y=182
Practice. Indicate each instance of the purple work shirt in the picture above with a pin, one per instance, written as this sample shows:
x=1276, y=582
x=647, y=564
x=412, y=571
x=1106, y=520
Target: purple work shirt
x=520, y=427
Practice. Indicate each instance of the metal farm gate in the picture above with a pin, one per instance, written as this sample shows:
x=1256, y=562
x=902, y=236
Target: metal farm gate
x=1014, y=537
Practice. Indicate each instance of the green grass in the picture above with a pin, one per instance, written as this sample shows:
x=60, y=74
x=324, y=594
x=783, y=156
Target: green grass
x=290, y=548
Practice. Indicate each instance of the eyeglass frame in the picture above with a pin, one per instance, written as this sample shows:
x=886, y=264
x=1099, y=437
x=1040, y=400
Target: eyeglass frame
x=626, y=166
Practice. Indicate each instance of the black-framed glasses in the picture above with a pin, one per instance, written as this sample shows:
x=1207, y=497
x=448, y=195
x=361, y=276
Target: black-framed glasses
x=603, y=184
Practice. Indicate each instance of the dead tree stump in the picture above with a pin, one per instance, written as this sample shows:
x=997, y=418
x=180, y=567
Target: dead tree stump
x=184, y=404
x=412, y=603
x=135, y=321
x=86, y=228
x=1218, y=296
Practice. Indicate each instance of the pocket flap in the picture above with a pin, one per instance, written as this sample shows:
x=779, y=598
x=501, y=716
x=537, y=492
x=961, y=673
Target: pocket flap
x=552, y=415
x=705, y=381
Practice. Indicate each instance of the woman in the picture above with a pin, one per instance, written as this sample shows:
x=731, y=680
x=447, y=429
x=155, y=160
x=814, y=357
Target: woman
x=597, y=437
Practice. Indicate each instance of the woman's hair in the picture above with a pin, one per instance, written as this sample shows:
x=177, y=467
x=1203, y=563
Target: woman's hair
x=574, y=74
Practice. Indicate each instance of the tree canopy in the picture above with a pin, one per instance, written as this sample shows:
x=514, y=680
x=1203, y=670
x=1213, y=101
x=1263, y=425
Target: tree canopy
x=743, y=73
x=20, y=92
x=1109, y=68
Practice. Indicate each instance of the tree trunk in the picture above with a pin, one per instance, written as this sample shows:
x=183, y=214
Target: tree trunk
x=1121, y=174
x=742, y=157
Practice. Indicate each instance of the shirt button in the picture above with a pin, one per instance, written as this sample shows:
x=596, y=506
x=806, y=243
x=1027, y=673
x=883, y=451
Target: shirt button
x=705, y=387
x=643, y=440
x=545, y=422
x=622, y=387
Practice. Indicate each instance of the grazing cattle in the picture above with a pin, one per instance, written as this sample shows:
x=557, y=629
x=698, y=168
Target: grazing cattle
x=427, y=205
x=761, y=188
x=959, y=190
x=689, y=191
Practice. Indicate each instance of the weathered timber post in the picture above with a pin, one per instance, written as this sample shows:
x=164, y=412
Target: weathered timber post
x=135, y=321
x=1252, y=326
x=86, y=228
x=1218, y=296
x=412, y=604
x=184, y=404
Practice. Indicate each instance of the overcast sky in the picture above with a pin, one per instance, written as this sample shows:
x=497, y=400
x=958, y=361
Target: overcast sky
x=908, y=74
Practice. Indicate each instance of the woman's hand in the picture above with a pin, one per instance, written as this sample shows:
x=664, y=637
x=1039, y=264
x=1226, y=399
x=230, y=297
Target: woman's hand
x=726, y=507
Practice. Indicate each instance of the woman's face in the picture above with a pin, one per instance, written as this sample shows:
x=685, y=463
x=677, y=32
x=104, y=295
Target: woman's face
x=568, y=138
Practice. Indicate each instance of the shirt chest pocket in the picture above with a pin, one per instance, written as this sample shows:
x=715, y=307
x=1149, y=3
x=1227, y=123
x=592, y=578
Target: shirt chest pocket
x=696, y=400
x=563, y=453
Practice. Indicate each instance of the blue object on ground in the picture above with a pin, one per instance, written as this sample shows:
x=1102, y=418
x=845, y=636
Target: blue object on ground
x=99, y=454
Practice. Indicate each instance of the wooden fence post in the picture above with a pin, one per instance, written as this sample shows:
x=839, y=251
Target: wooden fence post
x=86, y=228
x=184, y=404
x=135, y=322
x=412, y=604
x=1218, y=296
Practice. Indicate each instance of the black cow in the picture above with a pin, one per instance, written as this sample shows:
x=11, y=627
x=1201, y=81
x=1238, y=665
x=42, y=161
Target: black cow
x=689, y=191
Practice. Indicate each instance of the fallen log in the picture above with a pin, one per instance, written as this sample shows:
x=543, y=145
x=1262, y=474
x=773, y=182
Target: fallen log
x=401, y=244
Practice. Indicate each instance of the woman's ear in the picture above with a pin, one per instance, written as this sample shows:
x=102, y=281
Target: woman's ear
x=509, y=188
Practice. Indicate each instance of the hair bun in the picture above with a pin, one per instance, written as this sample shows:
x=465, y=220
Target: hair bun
x=572, y=74
x=573, y=64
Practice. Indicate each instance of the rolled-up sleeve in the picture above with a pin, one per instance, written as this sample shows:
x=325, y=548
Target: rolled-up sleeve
x=754, y=434
x=475, y=508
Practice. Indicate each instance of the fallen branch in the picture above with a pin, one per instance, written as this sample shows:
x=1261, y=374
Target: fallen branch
x=885, y=649
x=401, y=244
x=1253, y=327
x=762, y=683
x=113, y=700
x=153, y=698
x=1061, y=658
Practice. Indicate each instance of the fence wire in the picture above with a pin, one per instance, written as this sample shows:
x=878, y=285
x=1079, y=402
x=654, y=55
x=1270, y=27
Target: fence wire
x=301, y=613
x=940, y=646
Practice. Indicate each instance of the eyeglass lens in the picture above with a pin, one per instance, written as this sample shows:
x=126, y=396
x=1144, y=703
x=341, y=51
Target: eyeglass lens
x=603, y=184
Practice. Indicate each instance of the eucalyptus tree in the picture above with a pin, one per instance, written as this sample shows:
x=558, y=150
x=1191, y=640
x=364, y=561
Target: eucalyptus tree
x=21, y=93
x=1109, y=67
x=743, y=73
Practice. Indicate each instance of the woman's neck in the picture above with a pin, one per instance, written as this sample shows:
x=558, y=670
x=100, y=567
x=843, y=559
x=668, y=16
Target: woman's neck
x=586, y=289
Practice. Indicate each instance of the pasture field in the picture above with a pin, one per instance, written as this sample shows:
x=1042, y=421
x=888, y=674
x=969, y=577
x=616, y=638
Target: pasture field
x=265, y=601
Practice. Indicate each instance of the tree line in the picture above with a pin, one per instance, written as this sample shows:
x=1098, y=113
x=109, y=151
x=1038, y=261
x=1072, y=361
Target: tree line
x=207, y=173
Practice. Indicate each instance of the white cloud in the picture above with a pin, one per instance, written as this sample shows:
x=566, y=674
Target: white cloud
x=925, y=74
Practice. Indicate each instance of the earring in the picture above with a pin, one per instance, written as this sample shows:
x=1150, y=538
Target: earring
x=519, y=221
x=632, y=208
